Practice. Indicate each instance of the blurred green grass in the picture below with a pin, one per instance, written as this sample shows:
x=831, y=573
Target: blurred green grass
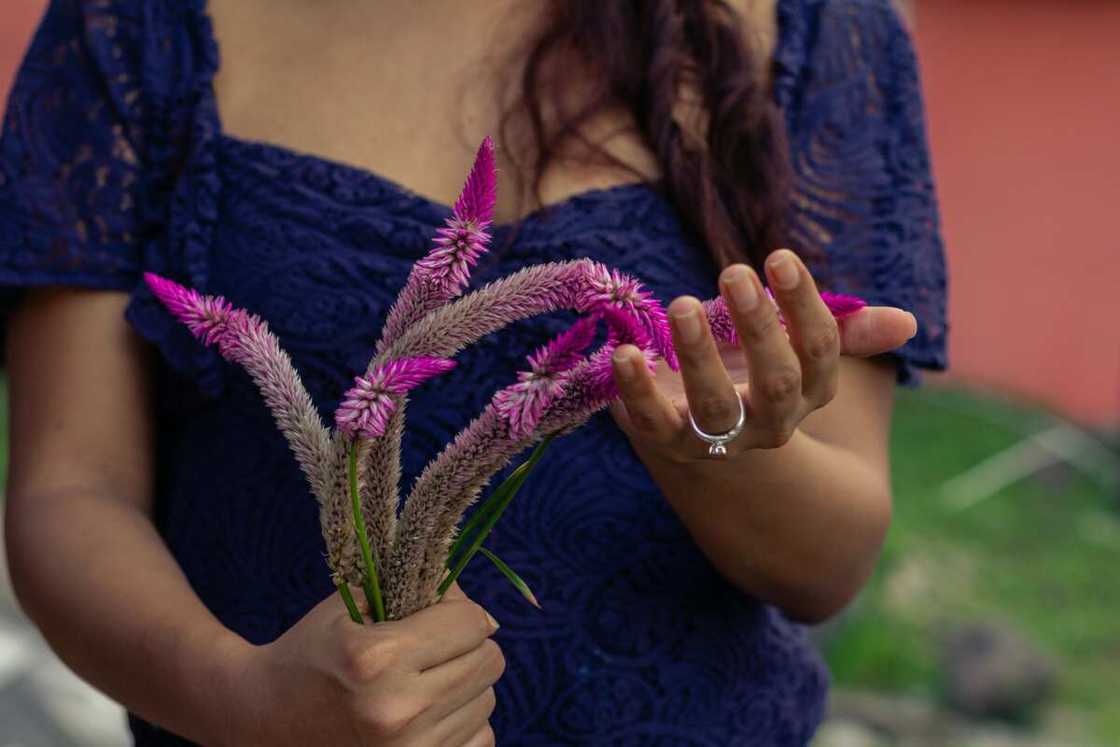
x=1042, y=555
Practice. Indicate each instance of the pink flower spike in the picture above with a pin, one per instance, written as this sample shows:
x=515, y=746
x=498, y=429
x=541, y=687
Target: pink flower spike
x=605, y=288
x=566, y=349
x=841, y=305
x=206, y=317
x=367, y=406
x=523, y=404
x=601, y=372
x=719, y=319
x=480, y=192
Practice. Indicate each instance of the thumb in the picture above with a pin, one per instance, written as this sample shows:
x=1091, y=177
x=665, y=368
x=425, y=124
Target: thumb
x=454, y=592
x=876, y=329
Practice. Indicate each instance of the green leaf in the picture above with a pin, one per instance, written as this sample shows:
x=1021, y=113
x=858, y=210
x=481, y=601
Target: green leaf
x=492, y=503
x=501, y=498
x=517, y=581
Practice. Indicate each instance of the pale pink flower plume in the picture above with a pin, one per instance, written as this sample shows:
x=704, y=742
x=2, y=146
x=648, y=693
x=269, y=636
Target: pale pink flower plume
x=204, y=316
x=723, y=326
x=367, y=406
x=841, y=305
x=606, y=288
x=444, y=272
x=523, y=403
x=479, y=197
x=245, y=339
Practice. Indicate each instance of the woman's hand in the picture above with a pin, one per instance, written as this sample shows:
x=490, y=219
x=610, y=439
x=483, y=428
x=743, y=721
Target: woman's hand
x=781, y=374
x=423, y=680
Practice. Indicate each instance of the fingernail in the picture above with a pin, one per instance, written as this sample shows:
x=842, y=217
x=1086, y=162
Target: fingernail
x=783, y=268
x=493, y=623
x=744, y=294
x=915, y=326
x=688, y=326
x=625, y=364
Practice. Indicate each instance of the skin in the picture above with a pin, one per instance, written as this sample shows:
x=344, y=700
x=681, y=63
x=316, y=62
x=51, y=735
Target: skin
x=795, y=515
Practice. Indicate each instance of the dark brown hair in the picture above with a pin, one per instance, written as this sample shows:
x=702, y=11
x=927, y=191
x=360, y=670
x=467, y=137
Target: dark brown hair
x=696, y=95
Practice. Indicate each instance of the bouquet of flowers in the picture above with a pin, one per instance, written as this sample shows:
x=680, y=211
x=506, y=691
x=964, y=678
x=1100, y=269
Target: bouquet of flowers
x=404, y=561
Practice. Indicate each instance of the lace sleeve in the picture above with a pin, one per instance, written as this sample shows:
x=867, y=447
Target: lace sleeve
x=864, y=201
x=72, y=178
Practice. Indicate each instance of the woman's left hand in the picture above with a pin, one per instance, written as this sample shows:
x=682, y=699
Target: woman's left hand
x=782, y=374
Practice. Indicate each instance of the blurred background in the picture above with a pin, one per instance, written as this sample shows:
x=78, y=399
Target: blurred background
x=994, y=616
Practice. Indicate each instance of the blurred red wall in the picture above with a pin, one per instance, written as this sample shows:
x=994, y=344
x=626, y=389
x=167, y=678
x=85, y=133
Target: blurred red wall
x=17, y=20
x=1023, y=99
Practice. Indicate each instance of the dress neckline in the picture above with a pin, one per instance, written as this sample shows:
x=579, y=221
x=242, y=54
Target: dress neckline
x=431, y=204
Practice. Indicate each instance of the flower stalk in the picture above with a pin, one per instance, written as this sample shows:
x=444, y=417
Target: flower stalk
x=371, y=585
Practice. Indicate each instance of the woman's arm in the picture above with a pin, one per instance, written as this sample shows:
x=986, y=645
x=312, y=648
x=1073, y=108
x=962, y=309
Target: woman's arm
x=799, y=525
x=798, y=509
x=86, y=561
x=92, y=572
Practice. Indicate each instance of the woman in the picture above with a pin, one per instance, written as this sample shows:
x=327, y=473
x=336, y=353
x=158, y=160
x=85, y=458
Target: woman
x=162, y=536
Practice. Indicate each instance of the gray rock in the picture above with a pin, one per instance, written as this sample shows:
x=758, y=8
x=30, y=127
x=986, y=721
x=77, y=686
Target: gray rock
x=991, y=671
x=844, y=733
x=899, y=719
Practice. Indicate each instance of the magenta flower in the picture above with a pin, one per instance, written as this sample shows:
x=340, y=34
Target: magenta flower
x=463, y=240
x=245, y=339
x=204, y=316
x=523, y=403
x=723, y=326
x=841, y=305
x=366, y=406
x=445, y=271
x=606, y=288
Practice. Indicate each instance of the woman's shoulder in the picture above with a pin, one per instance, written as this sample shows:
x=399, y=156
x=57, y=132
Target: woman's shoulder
x=127, y=35
x=138, y=61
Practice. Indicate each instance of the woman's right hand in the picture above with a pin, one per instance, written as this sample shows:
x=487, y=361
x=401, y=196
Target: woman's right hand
x=423, y=680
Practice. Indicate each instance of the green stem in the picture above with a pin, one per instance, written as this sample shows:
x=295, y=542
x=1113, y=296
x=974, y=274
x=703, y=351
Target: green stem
x=348, y=598
x=370, y=584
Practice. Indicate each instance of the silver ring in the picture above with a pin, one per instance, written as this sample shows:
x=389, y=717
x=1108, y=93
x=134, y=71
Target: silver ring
x=717, y=442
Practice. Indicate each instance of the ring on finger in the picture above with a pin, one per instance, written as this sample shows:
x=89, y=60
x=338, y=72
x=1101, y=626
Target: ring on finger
x=717, y=442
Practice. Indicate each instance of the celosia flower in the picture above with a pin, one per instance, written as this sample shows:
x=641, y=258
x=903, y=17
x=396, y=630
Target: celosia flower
x=445, y=271
x=366, y=406
x=464, y=238
x=723, y=326
x=523, y=403
x=204, y=316
x=841, y=305
x=606, y=288
x=246, y=340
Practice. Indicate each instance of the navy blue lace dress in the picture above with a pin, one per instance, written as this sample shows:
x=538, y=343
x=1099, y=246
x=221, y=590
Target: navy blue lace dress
x=113, y=161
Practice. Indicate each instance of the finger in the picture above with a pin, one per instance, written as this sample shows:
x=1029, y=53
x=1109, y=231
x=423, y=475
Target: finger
x=460, y=726
x=442, y=632
x=484, y=737
x=455, y=683
x=876, y=329
x=712, y=400
x=648, y=412
x=774, y=370
x=454, y=593
x=812, y=329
